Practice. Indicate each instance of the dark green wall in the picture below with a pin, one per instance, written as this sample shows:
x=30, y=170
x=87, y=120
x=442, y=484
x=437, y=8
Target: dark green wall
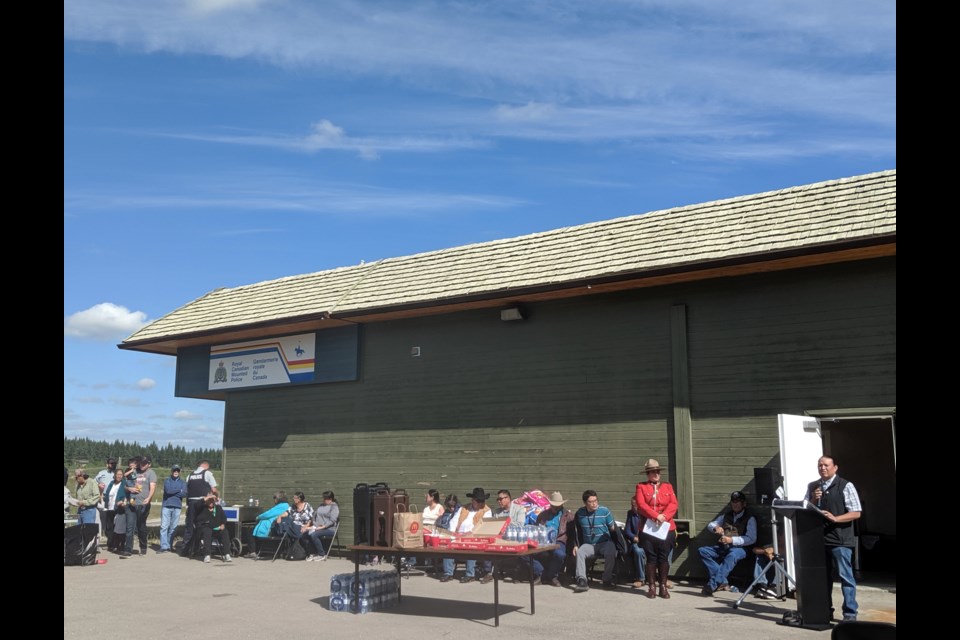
x=578, y=394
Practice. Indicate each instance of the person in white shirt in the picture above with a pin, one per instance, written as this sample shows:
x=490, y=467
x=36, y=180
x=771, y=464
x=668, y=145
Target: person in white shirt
x=463, y=521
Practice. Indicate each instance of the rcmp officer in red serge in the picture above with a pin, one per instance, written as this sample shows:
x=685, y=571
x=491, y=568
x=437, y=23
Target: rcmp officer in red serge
x=840, y=503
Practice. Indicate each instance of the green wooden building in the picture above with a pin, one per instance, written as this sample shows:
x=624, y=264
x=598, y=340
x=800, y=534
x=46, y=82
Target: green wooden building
x=561, y=360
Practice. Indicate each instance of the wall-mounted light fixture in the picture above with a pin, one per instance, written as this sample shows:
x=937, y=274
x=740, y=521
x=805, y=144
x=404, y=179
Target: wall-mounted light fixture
x=513, y=313
x=414, y=352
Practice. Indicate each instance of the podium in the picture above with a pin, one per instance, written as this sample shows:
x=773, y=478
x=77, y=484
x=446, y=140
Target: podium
x=813, y=601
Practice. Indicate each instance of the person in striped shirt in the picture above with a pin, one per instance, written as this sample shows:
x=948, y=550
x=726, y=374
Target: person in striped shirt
x=594, y=522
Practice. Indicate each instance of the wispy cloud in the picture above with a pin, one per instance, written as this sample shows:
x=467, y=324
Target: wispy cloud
x=324, y=135
x=183, y=414
x=104, y=321
x=146, y=383
x=263, y=192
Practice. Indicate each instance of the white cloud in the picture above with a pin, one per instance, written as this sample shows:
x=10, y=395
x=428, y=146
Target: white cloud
x=104, y=321
x=146, y=383
x=217, y=6
x=183, y=414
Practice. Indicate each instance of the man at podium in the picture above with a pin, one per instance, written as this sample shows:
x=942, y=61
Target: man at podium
x=839, y=502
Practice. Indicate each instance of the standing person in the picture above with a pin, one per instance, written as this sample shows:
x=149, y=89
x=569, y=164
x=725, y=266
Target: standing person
x=88, y=497
x=634, y=525
x=593, y=525
x=200, y=484
x=174, y=491
x=324, y=525
x=114, y=499
x=103, y=478
x=840, y=503
x=657, y=502
x=737, y=531
x=146, y=486
x=128, y=521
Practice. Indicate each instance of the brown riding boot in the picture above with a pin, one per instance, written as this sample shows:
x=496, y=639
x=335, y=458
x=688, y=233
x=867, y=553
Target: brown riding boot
x=664, y=591
x=651, y=580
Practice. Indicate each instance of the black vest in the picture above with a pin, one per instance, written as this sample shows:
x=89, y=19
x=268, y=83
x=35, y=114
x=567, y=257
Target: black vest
x=835, y=534
x=738, y=528
x=197, y=486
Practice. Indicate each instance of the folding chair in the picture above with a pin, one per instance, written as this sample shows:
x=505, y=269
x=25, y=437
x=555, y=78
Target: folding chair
x=334, y=539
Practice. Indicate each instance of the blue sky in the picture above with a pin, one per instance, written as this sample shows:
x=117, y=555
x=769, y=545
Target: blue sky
x=216, y=143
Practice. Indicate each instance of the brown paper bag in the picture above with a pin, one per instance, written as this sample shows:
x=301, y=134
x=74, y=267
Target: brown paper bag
x=407, y=527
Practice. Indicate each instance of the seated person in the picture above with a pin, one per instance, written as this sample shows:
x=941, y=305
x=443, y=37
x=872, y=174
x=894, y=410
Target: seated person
x=593, y=525
x=209, y=521
x=463, y=521
x=766, y=588
x=634, y=526
x=547, y=565
x=738, y=531
x=265, y=523
x=296, y=521
x=324, y=525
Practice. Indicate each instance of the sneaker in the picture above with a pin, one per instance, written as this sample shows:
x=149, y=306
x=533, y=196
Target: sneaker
x=581, y=586
x=609, y=585
x=206, y=559
x=707, y=590
x=638, y=584
x=143, y=552
x=227, y=558
x=251, y=556
x=555, y=582
x=311, y=558
x=487, y=577
x=466, y=579
x=537, y=581
x=445, y=578
x=125, y=554
x=162, y=550
x=849, y=617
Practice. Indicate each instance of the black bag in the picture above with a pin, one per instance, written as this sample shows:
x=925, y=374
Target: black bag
x=296, y=552
x=619, y=541
x=80, y=544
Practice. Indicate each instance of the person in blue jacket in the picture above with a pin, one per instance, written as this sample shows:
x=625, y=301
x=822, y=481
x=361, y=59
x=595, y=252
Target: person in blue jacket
x=634, y=525
x=265, y=522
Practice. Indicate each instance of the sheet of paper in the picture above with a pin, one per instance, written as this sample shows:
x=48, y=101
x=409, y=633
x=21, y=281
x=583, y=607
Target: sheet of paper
x=656, y=529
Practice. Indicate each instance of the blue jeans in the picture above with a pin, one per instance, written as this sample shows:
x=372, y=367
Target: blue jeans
x=843, y=557
x=317, y=537
x=169, y=519
x=640, y=560
x=87, y=515
x=547, y=566
x=719, y=560
x=449, y=565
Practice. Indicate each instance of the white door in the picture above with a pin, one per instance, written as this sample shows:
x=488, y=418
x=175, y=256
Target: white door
x=801, y=445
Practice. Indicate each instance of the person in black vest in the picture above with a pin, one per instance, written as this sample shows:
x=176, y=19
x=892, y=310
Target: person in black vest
x=737, y=529
x=840, y=503
x=200, y=484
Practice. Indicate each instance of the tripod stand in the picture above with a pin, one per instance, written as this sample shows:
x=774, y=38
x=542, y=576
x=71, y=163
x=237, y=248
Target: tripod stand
x=776, y=563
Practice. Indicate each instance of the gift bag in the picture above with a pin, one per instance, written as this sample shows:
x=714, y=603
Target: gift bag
x=407, y=527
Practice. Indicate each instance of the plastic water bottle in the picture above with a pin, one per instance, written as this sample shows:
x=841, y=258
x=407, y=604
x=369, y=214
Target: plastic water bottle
x=336, y=602
x=364, y=604
x=336, y=584
x=250, y=502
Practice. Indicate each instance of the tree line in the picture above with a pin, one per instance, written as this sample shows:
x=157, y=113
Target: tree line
x=94, y=453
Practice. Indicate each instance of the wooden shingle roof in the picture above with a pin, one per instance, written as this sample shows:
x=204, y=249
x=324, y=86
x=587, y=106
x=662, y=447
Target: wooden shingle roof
x=805, y=218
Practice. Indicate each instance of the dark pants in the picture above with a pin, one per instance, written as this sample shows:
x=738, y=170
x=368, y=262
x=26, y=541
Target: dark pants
x=107, y=518
x=143, y=512
x=131, y=528
x=193, y=508
x=657, y=550
x=206, y=538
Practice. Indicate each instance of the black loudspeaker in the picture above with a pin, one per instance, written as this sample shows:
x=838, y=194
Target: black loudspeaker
x=767, y=481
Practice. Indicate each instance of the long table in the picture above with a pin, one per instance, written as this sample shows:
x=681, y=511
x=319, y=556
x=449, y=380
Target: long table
x=359, y=550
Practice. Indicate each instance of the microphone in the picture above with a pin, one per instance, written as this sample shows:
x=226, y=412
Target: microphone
x=823, y=489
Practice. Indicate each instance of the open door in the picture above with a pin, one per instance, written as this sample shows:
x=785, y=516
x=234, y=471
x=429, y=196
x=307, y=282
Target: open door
x=801, y=445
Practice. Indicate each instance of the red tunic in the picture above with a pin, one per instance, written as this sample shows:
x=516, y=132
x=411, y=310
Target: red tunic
x=653, y=503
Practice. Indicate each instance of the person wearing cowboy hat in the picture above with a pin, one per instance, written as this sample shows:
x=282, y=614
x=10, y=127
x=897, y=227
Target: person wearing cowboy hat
x=463, y=521
x=738, y=531
x=547, y=565
x=657, y=502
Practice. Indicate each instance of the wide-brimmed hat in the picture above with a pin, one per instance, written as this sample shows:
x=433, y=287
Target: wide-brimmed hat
x=738, y=496
x=651, y=465
x=478, y=494
x=556, y=499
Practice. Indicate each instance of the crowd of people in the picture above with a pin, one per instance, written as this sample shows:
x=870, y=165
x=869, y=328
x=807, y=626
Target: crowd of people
x=121, y=500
